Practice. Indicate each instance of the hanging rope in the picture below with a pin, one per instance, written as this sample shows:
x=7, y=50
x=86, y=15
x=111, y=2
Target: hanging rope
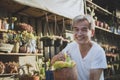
x=57, y=31
x=47, y=27
x=63, y=28
x=55, y=25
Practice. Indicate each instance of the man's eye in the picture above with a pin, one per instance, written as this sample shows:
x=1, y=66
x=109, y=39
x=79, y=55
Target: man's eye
x=84, y=29
x=76, y=29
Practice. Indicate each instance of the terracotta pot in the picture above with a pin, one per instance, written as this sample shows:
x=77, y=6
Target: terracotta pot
x=105, y=25
x=0, y=23
x=66, y=74
x=2, y=67
x=101, y=24
x=23, y=49
x=97, y=23
x=35, y=78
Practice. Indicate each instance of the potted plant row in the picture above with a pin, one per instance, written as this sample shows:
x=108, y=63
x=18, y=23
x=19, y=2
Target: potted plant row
x=53, y=41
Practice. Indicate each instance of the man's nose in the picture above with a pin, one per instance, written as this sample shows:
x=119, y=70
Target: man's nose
x=80, y=32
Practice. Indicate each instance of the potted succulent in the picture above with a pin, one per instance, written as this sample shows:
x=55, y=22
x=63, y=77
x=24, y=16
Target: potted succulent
x=11, y=67
x=29, y=75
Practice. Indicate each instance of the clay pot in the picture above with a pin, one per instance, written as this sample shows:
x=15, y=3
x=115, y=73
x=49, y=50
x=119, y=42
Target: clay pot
x=0, y=23
x=2, y=67
x=35, y=77
x=11, y=68
x=66, y=74
x=97, y=23
x=101, y=24
x=105, y=25
x=23, y=49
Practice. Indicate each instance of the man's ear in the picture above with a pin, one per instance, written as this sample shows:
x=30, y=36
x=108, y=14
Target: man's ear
x=92, y=32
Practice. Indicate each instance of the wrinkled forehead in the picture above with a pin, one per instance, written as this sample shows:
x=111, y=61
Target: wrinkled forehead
x=82, y=18
x=81, y=23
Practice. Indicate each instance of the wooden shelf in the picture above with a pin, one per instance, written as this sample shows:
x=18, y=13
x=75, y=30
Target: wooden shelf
x=106, y=30
x=117, y=76
x=96, y=7
x=7, y=75
x=103, y=29
x=3, y=30
x=22, y=54
x=98, y=28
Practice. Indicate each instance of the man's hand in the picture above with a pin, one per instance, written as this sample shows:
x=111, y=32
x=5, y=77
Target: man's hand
x=59, y=57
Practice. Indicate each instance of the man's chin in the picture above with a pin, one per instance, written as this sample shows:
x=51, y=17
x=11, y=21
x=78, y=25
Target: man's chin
x=81, y=42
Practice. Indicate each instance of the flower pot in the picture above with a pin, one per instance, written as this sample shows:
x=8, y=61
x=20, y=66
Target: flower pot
x=2, y=67
x=16, y=47
x=47, y=41
x=23, y=49
x=35, y=77
x=105, y=25
x=58, y=42
x=66, y=74
x=0, y=23
x=97, y=23
x=101, y=24
x=64, y=44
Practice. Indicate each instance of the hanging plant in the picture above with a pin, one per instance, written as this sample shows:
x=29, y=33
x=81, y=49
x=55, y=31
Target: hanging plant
x=28, y=76
x=24, y=27
x=47, y=41
x=65, y=42
x=58, y=41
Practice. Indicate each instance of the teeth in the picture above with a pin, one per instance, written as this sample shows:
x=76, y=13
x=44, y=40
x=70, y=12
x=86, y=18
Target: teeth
x=80, y=38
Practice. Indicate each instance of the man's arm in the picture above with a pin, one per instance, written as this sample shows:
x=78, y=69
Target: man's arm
x=95, y=74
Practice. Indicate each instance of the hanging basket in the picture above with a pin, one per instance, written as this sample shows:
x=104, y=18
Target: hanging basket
x=66, y=74
x=47, y=41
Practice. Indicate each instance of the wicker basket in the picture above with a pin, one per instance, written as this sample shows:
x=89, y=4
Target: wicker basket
x=6, y=47
x=66, y=74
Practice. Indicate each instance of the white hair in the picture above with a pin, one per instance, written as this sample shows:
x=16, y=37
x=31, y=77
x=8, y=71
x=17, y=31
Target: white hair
x=89, y=18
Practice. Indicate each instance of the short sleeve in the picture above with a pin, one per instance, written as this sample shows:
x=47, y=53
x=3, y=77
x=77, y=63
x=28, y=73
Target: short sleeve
x=99, y=60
